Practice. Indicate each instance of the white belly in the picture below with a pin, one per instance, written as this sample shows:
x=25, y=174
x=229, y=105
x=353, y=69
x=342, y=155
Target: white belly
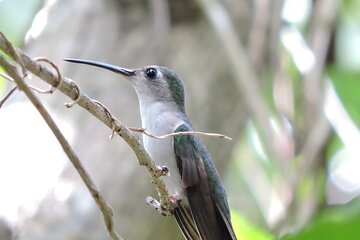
x=161, y=151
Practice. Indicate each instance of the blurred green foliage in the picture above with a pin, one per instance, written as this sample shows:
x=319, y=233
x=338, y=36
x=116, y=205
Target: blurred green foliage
x=335, y=223
x=245, y=230
x=16, y=17
x=350, y=9
x=347, y=85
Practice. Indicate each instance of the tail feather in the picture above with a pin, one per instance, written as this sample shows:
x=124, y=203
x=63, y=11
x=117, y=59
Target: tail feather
x=230, y=231
x=190, y=229
x=186, y=223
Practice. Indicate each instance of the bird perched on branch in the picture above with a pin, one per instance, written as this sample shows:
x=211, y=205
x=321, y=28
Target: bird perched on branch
x=202, y=210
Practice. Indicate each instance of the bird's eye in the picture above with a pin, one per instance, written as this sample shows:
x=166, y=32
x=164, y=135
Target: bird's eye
x=151, y=73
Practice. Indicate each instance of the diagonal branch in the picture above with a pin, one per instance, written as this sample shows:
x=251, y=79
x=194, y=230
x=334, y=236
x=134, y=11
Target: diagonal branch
x=67, y=87
x=100, y=201
x=257, y=36
x=70, y=89
x=321, y=27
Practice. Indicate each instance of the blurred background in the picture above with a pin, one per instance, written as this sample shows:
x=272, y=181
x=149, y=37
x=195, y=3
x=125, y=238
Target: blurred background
x=282, y=78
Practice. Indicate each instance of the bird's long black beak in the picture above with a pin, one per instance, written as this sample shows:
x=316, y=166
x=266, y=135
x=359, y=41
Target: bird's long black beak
x=123, y=71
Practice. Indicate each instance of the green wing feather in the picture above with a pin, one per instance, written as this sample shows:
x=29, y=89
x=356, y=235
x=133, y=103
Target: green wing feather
x=200, y=177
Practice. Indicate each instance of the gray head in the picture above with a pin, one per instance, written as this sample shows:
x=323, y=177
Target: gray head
x=153, y=84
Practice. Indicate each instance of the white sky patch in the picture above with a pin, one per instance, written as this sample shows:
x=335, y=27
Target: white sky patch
x=63, y=190
x=37, y=25
x=345, y=165
x=344, y=171
x=40, y=21
x=31, y=159
x=296, y=12
x=297, y=47
x=340, y=119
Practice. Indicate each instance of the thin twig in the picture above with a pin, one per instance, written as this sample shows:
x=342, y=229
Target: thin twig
x=84, y=101
x=257, y=37
x=13, y=53
x=108, y=113
x=100, y=201
x=273, y=39
x=38, y=90
x=143, y=130
x=59, y=82
x=7, y=96
x=324, y=16
x=6, y=77
x=321, y=26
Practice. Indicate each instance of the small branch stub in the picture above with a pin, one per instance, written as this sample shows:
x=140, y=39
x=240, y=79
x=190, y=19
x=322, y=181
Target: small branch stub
x=78, y=96
x=156, y=205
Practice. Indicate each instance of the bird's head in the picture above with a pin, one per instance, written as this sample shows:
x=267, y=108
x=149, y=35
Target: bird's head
x=153, y=84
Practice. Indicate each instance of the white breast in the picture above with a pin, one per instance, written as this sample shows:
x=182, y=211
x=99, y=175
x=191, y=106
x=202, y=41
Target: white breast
x=159, y=121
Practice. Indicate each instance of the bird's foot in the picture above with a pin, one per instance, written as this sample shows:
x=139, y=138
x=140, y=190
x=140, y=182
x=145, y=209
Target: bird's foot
x=175, y=198
x=162, y=171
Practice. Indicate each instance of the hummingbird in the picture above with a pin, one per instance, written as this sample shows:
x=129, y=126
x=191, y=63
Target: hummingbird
x=194, y=184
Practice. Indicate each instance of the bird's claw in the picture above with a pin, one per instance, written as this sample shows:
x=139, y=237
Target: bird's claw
x=163, y=170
